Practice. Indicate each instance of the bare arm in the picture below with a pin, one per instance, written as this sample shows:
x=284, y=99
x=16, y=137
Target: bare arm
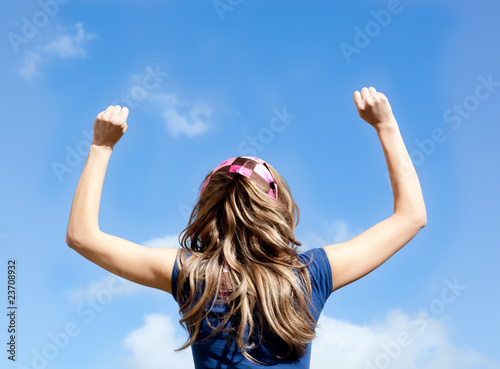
x=359, y=256
x=140, y=264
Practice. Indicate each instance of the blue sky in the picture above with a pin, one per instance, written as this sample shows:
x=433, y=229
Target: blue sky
x=205, y=81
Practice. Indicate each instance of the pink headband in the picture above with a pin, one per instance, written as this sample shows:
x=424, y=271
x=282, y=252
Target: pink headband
x=250, y=167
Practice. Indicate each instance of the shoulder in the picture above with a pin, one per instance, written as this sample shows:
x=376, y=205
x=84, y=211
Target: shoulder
x=317, y=256
x=179, y=258
x=181, y=254
x=319, y=269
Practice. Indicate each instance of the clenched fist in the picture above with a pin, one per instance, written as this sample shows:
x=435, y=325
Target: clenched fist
x=110, y=125
x=374, y=107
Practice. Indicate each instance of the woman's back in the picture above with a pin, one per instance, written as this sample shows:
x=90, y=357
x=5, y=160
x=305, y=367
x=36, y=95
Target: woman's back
x=221, y=350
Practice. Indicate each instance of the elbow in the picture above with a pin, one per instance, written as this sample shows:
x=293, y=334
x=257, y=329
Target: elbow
x=70, y=234
x=82, y=238
x=70, y=240
x=423, y=223
x=414, y=221
x=76, y=239
x=420, y=222
x=415, y=215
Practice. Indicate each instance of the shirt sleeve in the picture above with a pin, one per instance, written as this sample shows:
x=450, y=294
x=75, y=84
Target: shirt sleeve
x=320, y=272
x=175, y=274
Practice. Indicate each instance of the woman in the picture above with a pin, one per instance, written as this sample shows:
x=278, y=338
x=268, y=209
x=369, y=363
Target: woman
x=247, y=296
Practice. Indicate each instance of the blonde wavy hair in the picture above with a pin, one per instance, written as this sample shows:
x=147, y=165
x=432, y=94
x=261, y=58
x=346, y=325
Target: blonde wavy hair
x=235, y=222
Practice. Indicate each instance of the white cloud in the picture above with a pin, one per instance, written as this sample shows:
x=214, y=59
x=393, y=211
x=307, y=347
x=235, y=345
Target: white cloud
x=184, y=117
x=64, y=46
x=397, y=342
x=167, y=241
x=336, y=232
x=339, y=344
x=110, y=285
x=30, y=64
x=67, y=45
x=152, y=345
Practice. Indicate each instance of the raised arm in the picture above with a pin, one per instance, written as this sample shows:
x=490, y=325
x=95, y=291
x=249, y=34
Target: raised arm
x=359, y=256
x=137, y=263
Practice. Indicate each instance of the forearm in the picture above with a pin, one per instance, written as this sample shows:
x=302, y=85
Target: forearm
x=83, y=220
x=408, y=198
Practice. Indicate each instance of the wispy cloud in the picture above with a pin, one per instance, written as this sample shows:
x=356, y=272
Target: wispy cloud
x=152, y=345
x=30, y=64
x=109, y=286
x=64, y=46
x=189, y=118
x=170, y=241
x=330, y=233
x=348, y=345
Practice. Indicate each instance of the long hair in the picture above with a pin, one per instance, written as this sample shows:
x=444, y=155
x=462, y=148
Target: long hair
x=236, y=223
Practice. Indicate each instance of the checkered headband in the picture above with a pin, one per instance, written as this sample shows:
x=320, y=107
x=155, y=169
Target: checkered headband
x=251, y=167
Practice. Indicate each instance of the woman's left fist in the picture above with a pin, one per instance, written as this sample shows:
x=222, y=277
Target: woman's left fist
x=110, y=125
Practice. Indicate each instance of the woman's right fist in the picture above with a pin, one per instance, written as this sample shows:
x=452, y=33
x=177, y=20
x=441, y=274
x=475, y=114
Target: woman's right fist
x=374, y=107
x=110, y=125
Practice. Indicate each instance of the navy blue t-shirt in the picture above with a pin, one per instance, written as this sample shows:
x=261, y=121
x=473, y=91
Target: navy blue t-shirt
x=221, y=352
